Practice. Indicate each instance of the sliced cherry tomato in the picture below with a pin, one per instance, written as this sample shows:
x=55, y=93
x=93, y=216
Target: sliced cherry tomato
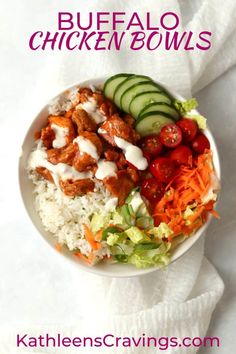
x=152, y=189
x=163, y=168
x=200, y=143
x=147, y=156
x=189, y=129
x=151, y=145
x=182, y=155
x=171, y=135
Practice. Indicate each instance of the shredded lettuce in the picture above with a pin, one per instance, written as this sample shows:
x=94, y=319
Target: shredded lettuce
x=188, y=212
x=99, y=221
x=117, y=218
x=184, y=107
x=112, y=239
x=163, y=230
x=136, y=235
x=200, y=120
x=148, y=258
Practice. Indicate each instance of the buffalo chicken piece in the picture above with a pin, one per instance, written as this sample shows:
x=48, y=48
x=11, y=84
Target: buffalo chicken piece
x=84, y=94
x=42, y=171
x=47, y=136
x=62, y=155
x=83, y=161
x=111, y=155
x=84, y=123
x=119, y=186
x=106, y=107
x=115, y=126
x=64, y=122
x=129, y=120
x=76, y=188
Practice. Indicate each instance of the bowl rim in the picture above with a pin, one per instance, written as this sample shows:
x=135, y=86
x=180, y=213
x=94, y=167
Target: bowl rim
x=99, y=81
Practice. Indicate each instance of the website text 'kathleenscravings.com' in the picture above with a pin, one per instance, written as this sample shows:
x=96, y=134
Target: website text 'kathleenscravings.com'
x=111, y=341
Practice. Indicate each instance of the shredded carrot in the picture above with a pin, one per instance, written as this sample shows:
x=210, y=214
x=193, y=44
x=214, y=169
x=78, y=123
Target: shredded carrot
x=98, y=236
x=58, y=247
x=189, y=186
x=215, y=214
x=82, y=257
x=90, y=238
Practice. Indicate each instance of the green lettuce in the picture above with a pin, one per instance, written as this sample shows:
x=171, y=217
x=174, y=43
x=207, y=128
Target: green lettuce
x=184, y=107
x=136, y=235
x=163, y=230
x=158, y=257
x=199, y=119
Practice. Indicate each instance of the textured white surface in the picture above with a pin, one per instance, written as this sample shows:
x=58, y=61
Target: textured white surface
x=38, y=286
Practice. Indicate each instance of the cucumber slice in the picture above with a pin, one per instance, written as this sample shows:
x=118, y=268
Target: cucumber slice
x=123, y=86
x=151, y=123
x=134, y=90
x=162, y=107
x=112, y=83
x=144, y=99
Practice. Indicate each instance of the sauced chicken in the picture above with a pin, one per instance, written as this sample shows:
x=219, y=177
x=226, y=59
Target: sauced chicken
x=116, y=126
x=81, y=141
x=120, y=186
x=83, y=122
x=78, y=187
x=83, y=160
x=47, y=136
x=64, y=122
x=62, y=155
x=45, y=173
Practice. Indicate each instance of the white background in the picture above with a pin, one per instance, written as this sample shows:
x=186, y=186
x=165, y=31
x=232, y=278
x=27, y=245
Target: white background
x=28, y=295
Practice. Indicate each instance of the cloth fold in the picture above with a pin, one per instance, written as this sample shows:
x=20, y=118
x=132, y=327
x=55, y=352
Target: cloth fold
x=180, y=300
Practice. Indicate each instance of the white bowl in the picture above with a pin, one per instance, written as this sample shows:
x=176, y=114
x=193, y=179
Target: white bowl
x=26, y=188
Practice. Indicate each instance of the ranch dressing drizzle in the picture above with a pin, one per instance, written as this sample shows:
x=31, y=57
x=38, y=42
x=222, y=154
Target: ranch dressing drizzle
x=105, y=169
x=102, y=131
x=132, y=153
x=60, y=136
x=86, y=146
x=90, y=107
x=38, y=158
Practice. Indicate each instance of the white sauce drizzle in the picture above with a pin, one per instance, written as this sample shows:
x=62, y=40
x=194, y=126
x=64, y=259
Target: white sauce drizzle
x=60, y=136
x=102, y=131
x=86, y=146
x=90, y=107
x=38, y=158
x=132, y=153
x=105, y=169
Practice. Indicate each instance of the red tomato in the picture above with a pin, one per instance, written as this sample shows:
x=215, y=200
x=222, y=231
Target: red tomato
x=171, y=135
x=151, y=145
x=182, y=155
x=189, y=128
x=163, y=168
x=147, y=156
x=152, y=189
x=200, y=143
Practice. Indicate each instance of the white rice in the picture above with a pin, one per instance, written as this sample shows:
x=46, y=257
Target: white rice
x=64, y=102
x=64, y=216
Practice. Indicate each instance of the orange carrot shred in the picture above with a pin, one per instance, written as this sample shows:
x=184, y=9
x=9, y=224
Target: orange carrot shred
x=90, y=238
x=190, y=185
x=58, y=247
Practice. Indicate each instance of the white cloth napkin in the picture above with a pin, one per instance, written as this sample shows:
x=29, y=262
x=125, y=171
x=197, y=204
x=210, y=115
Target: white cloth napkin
x=179, y=301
